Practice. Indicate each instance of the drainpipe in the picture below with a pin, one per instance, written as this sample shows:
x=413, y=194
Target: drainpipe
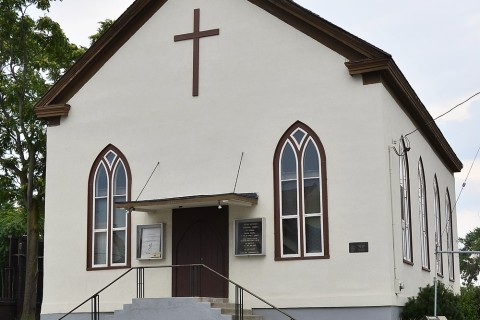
x=396, y=285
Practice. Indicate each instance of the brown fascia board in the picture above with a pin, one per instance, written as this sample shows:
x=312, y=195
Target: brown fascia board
x=327, y=33
x=386, y=71
x=140, y=11
x=99, y=53
x=374, y=64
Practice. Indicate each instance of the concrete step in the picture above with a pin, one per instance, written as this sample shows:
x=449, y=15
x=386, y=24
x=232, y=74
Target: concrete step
x=181, y=308
x=169, y=308
x=248, y=317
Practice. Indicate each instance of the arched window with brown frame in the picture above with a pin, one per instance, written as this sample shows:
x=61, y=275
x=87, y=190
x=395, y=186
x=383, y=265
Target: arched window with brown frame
x=449, y=227
x=405, y=205
x=108, y=244
x=438, y=227
x=423, y=217
x=300, y=182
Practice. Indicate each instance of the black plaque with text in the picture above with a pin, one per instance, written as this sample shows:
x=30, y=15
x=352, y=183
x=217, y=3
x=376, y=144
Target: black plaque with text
x=249, y=237
x=357, y=247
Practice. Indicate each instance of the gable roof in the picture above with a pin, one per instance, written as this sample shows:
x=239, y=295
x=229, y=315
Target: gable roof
x=374, y=64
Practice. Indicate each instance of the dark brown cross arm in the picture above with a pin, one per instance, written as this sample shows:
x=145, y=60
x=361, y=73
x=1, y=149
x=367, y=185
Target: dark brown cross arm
x=195, y=36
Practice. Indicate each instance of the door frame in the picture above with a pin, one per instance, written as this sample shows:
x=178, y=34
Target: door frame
x=193, y=216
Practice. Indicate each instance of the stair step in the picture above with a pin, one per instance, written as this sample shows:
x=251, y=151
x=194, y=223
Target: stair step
x=249, y=317
x=213, y=300
x=231, y=311
x=206, y=308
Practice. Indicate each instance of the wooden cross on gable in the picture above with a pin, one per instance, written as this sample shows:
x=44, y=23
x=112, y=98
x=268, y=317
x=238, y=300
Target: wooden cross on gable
x=195, y=36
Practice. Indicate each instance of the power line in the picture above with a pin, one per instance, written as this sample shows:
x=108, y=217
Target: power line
x=458, y=105
x=465, y=181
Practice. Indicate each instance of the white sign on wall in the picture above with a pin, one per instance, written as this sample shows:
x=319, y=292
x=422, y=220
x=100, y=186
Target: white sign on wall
x=150, y=241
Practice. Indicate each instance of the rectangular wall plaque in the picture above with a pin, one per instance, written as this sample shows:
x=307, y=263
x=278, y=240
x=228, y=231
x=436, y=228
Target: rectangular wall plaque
x=150, y=241
x=357, y=247
x=249, y=237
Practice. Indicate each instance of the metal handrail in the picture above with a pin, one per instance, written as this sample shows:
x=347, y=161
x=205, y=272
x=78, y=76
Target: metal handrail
x=95, y=297
x=97, y=293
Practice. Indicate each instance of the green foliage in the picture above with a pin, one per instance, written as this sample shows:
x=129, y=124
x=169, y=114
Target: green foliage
x=470, y=302
x=470, y=263
x=13, y=223
x=104, y=26
x=34, y=52
x=448, y=304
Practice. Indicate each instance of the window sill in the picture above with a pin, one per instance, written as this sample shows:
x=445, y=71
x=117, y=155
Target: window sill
x=107, y=268
x=426, y=269
x=301, y=258
x=410, y=263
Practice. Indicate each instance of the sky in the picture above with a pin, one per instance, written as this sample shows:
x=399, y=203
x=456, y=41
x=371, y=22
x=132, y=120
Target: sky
x=436, y=44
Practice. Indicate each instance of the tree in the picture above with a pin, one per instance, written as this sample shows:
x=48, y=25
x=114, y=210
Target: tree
x=470, y=302
x=34, y=52
x=448, y=304
x=12, y=224
x=104, y=26
x=470, y=263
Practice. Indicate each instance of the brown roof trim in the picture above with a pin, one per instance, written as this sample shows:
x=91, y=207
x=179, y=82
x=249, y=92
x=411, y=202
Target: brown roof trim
x=140, y=11
x=52, y=113
x=100, y=52
x=316, y=27
x=374, y=64
x=387, y=72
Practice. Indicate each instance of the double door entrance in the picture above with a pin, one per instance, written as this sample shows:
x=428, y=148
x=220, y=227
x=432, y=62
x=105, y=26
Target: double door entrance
x=200, y=236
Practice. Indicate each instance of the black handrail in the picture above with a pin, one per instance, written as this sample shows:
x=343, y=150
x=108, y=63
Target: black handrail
x=95, y=295
x=95, y=298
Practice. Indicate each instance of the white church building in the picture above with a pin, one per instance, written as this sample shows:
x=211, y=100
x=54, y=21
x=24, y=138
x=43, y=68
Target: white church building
x=252, y=137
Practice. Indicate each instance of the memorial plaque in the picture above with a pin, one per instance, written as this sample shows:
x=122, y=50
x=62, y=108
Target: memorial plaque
x=150, y=242
x=358, y=247
x=249, y=237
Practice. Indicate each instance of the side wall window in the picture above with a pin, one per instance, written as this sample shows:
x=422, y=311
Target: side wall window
x=422, y=212
x=108, y=227
x=405, y=205
x=448, y=214
x=301, y=224
x=438, y=227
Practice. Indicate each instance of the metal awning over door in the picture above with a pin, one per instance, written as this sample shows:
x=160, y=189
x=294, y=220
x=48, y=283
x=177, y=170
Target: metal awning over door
x=230, y=199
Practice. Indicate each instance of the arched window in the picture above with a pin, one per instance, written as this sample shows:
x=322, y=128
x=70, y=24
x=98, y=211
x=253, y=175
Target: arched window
x=301, y=224
x=438, y=227
x=448, y=214
x=108, y=227
x=422, y=212
x=405, y=205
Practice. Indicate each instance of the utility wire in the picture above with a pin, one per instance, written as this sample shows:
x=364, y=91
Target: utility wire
x=239, y=166
x=148, y=180
x=460, y=193
x=458, y=105
x=465, y=181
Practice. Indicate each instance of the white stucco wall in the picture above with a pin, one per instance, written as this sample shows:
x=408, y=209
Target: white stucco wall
x=412, y=276
x=257, y=78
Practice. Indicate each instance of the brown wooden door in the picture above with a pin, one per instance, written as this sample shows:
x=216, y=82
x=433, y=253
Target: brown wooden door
x=200, y=235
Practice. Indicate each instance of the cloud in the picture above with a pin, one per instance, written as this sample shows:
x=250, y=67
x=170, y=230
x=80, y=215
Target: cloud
x=468, y=205
x=467, y=221
x=459, y=114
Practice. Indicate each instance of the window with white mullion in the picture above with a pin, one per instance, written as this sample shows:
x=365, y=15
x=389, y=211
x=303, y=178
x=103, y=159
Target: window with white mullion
x=405, y=205
x=289, y=205
x=301, y=211
x=448, y=214
x=312, y=203
x=438, y=227
x=108, y=226
x=422, y=210
x=101, y=217
x=119, y=216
